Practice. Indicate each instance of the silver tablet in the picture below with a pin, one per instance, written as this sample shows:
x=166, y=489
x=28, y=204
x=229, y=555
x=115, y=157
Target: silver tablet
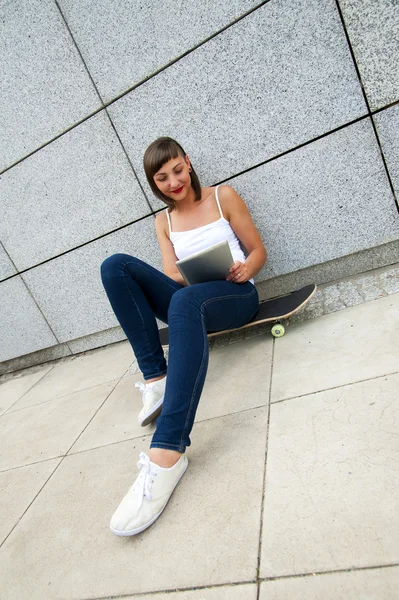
x=210, y=264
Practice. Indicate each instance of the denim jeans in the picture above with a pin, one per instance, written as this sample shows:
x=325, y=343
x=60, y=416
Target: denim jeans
x=138, y=293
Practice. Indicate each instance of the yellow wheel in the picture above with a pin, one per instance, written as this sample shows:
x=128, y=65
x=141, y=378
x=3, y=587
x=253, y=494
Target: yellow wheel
x=278, y=330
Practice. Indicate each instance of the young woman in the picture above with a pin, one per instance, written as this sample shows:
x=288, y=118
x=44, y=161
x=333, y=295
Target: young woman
x=195, y=218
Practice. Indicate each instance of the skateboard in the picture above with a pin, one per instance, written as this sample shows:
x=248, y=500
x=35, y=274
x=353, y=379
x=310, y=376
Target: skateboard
x=274, y=311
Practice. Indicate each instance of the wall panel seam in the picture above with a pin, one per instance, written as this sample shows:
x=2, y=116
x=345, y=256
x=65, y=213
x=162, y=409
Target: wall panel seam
x=370, y=113
x=132, y=88
x=154, y=212
x=40, y=310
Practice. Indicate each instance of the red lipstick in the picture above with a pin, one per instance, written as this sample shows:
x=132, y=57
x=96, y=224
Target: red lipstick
x=177, y=191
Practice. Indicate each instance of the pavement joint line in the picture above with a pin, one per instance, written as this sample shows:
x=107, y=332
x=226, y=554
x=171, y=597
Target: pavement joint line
x=264, y=473
x=31, y=464
x=130, y=439
x=238, y=583
x=11, y=412
x=52, y=473
x=144, y=435
x=330, y=572
x=28, y=390
x=94, y=415
x=173, y=590
x=32, y=501
x=336, y=387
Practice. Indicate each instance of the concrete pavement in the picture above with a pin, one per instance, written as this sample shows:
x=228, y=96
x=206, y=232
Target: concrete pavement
x=292, y=489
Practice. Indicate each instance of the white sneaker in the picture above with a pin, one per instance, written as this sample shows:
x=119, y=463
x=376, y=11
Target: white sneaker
x=147, y=497
x=153, y=394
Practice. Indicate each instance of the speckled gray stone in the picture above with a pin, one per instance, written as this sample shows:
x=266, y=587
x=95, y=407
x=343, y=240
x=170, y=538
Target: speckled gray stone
x=324, y=201
x=70, y=192
x=373, y=29
x=45, y=86
x=125, y=42
x=279, y=77
x=6, y=266
x=69, y=290
x=333, y=270
x=23, y=328
x=387, y=123
x=389, y=281
x=38, y=357
x=97, y=340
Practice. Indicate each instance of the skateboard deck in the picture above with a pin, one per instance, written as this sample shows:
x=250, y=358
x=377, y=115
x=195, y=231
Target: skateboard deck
x=274, y=310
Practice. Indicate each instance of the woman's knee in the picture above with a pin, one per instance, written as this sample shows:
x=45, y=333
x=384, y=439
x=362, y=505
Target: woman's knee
x=183, y=301
x=114, y=264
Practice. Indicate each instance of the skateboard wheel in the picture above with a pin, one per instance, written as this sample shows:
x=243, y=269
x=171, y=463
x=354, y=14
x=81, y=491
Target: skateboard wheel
x=278, y=331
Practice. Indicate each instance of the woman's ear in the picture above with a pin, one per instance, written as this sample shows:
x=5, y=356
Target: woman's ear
x=186, y=158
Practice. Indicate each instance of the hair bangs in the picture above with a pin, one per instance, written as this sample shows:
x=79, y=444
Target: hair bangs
x=159, y=153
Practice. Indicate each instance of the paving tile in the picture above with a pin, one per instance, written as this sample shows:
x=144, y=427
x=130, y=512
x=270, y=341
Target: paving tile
x=143, y=36
x=12, y=388
x=248, y=95
x=373, y=33
x=79, y=373
x=225, y=592
x=18, y=488
x=117, y=418
x=373, y=584
x=45, y=85
x=49, y=429
x=86, y=188
x=332, y=482
x=208, y=534
x=337, y=349
x=238, y=379
x=23, y=330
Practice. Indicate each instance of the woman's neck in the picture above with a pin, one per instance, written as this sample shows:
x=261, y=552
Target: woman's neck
x=190, y=204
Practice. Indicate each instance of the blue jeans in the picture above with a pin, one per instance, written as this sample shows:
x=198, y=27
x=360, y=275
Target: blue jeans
x=138, y=293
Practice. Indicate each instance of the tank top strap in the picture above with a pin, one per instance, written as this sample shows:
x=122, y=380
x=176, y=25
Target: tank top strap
x=168, y=217
x=217, y=201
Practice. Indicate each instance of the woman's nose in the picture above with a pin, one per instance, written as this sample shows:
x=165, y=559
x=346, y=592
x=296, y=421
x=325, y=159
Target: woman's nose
x=174, y=183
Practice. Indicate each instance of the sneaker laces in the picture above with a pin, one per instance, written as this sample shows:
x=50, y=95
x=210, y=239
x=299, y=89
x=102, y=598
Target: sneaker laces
x=144, y=481
x=143, y=388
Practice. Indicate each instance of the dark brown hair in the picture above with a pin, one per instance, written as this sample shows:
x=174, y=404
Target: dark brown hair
x=157, y=154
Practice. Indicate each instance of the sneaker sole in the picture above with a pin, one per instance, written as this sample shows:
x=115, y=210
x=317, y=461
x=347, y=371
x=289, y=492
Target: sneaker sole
x=156, y=411
x=143, y=527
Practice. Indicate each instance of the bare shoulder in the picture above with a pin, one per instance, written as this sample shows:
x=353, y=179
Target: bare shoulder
x=161, y=220
x=230, y=200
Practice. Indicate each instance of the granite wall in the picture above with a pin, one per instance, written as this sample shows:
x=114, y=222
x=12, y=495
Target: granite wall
x=295, y=102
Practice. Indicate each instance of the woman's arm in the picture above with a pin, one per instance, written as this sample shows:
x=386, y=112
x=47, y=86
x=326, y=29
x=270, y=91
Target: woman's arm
x=169, y=257
x=236, y=212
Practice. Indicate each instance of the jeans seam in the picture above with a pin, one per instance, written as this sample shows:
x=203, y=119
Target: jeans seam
x=154, y=272
x=155, y=375
x=163, y=444
x=204, y=332
x=137, y=308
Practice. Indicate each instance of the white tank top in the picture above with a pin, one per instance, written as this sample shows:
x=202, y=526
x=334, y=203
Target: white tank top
x=186, y=243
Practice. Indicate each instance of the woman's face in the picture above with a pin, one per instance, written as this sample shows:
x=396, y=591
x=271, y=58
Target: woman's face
x=173, y=178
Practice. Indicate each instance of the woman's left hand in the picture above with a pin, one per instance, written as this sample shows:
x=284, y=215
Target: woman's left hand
x=238, y=273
